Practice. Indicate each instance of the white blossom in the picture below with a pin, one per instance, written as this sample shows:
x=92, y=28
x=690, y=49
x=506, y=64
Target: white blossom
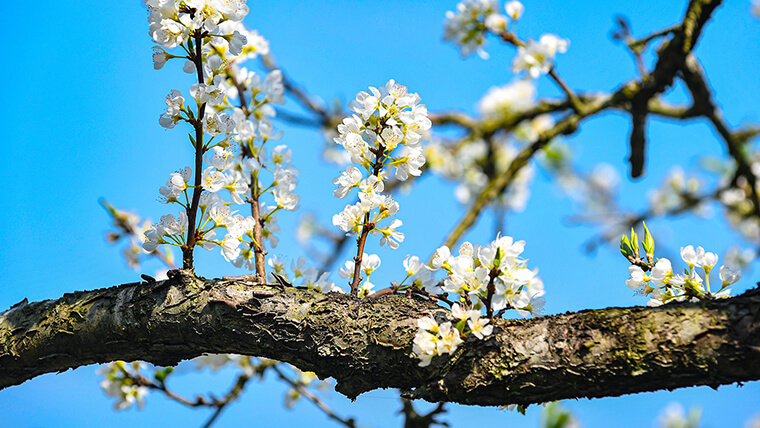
x=390, y=235
x=348, y=179
x=412, y=265
x=236, y=42
x=160, y=56
x=537, y=57
x=212, y=93
x=174, y=104
x=729, y=276
x=349, y=219
x=509, y=99
x=514, y=9
x=213, y=180
x=285, y=199
x=465, y=27
x=638, y=276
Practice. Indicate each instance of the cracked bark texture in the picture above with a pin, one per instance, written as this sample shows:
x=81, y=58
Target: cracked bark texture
x=366, y=343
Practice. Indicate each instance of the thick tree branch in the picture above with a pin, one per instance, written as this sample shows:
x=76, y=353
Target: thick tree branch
x=670, y=60
x=366, y=343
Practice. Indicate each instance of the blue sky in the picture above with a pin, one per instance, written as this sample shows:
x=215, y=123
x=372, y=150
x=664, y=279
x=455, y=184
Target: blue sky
x=82, y=118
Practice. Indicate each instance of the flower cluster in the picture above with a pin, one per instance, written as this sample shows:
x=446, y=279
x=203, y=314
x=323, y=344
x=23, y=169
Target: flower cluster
x=173, y=22
x=470, y=165
x=538, y=57
x=232, y=174
x=492, y=275
x=508, y=100
x=238, y=178
x=475, y=162
x=467, y=27
x=473, y=19
x=736, y=193
x=120, y=383
x=170, y=230
x=129, y=227
x=434, y=339
x=385, y=119
x=675, y=190
x=370, y=263
x=384, y=134
x=662, y=284
x=233, y=113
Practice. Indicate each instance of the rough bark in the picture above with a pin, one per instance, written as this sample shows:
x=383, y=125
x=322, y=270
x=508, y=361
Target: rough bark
x=366, y=343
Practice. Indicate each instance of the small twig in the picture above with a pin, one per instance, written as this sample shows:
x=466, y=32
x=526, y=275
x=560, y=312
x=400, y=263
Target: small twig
x=368, y=226
x=412, y=419
x=689, y=202
x=296, y=119
x=258, y=226
x=350, y=423
x=235, y=392
x=638, y=46
x=361, y=240
x=491, y=289
x=696, y=81
x=298, y=93
x=571, y=95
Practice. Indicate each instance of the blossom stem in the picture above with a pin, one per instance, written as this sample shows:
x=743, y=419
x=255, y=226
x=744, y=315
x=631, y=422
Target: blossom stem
x=258, y=244
x=511, y=38
x=491, y=290
x=377, y=166
x=360, y=242
x=187, y=250
x=239, y=86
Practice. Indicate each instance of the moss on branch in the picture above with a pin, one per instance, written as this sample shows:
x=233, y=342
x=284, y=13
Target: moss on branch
x=365, y=344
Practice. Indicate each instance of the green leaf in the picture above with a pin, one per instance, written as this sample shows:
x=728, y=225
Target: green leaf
x=162, y=374
x=648, y=241
x=562, y=420
x=634, y=241
x=625, y=246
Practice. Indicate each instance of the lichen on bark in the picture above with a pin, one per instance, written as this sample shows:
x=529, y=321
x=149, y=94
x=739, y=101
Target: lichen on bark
x=365, y=344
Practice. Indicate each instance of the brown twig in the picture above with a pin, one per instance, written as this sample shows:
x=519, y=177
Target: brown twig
x=192, y=211
x=301, y=389
x=368, y=226
x=412, y=419
x=298, y=93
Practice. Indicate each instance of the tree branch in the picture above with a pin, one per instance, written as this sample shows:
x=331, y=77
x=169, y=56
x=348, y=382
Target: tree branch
x=366, y=343
x=635, y=96
x=670, y=60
